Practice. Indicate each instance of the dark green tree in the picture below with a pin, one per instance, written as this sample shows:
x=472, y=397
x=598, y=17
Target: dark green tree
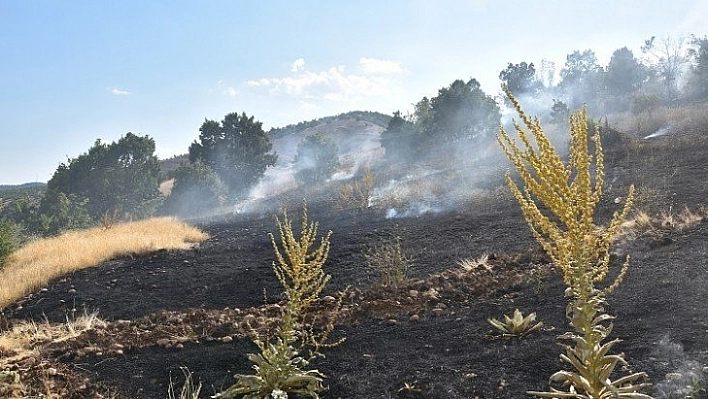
x=697, y=86
x=581, y=79
x=8, y=240
x=197, y=190
x=61, y=212
x=625, y=73
x=401, y=137
x=624, y=76
x=559, y=112
x=238, y=150
x=120, y=178
x=462, y=111
x=520, y=79
x=316, y=160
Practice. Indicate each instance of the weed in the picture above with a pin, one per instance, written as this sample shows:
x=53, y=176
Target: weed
x=516, y=326
x=472, y=264
x=565, y=228
x=356, y=195
x=188, y=390
x=280, y=367
x=643, y=224
x=698, y=389
x=389, y=261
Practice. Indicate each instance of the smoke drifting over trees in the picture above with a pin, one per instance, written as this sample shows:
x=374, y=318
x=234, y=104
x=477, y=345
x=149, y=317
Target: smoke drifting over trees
x=424, y=159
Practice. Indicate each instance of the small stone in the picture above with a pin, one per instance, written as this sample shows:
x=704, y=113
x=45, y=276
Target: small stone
x=119, y=352
x=414, y=318
x=437, y=312
x=52, y=371
x=329, y=299
x=391, y=322
x=227, y=339
x=413, y=293
x=72, y=291
x=179, y=346
x=441, y=305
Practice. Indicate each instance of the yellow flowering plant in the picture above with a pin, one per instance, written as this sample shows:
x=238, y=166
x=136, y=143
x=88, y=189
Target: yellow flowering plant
x=558, y=200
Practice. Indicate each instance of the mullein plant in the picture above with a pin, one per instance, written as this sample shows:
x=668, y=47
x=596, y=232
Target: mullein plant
x=281, y=364
x=558, y=200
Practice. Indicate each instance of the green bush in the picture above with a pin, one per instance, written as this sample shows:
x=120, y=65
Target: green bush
x=316, y=159
x=197, y=191
x=8, y=240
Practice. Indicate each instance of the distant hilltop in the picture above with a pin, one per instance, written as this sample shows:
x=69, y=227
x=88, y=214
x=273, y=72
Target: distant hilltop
x=346, y=129
x=22, y=187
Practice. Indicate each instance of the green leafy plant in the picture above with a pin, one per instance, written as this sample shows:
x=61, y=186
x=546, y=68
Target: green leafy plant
x=8, y=240
x=516, y=326
x=280, y=371
x=564, y=226
x=280, y=367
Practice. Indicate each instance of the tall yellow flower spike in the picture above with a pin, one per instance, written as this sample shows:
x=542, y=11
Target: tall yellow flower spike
x=569, y=193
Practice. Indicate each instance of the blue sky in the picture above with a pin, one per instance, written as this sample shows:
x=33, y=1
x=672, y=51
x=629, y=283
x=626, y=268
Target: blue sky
x=75, y=71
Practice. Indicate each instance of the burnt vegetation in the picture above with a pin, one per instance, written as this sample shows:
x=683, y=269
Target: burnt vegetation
x=428, y=243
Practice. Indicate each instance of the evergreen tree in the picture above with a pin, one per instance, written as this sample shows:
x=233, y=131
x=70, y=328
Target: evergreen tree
x=238, y=150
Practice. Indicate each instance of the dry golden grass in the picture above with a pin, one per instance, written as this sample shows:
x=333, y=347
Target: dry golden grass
x=35, y=264
x=472, y=264
x=687, y=118
x=644, y=224
x=166, y=187
x=28, y=337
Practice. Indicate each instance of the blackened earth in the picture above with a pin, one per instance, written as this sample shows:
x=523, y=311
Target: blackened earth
x=169, y=310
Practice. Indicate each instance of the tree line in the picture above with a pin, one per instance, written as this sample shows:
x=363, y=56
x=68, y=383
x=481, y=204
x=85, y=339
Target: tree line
x=669, y=71
x=119, y=180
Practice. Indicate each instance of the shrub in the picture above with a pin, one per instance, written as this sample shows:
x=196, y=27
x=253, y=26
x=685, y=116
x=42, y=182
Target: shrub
x=280, y=365
x=8, y=240
x=316, y=159
x=357, y=194
x=197, y=190
x=389, y=261
x=565, y=228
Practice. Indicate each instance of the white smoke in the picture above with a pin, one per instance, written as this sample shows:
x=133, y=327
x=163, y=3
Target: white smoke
x=685, y=374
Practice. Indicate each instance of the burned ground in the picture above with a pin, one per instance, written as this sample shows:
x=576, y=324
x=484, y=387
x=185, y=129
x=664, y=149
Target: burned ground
x=187, y=309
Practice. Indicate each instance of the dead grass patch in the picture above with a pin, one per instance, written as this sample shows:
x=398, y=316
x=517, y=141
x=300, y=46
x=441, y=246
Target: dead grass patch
x=686, y=119
x=642, y=224
x=37, y=263
x=27, y=340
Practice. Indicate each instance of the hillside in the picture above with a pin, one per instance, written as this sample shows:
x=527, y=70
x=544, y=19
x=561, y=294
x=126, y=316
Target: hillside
x=428, y=337
x=357, y=135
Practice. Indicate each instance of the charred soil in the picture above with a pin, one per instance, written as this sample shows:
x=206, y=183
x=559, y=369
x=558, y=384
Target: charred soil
x=426, y=338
